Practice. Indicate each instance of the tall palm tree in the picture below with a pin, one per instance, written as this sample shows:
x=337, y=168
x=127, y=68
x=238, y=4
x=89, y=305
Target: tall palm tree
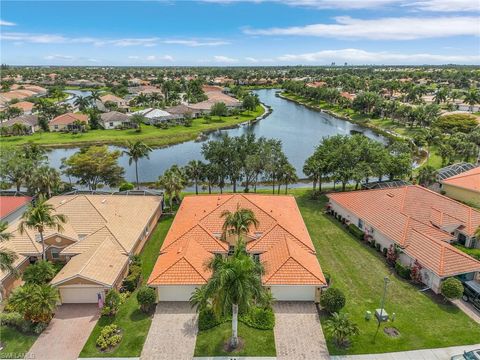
x=195, y=170
x=40, y=216
x=238, y=222
x=136, y=151
x=94, y=97
x=235, y=284
x=7, y=257
x=173, y=182
x=82, y=102
x=427, y=175
x=45, y=180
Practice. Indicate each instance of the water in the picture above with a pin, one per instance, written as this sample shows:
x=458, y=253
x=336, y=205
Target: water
x=299, y=128
x=73, y=94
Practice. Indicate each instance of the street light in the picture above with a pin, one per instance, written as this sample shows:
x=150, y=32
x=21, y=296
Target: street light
x=382, y=314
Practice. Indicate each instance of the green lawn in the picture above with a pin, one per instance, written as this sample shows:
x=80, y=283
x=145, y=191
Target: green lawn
x=150, y=134
x=134, y=323
x=423, y=320
x=16, y=344
x=472, y=252
x=257, y=342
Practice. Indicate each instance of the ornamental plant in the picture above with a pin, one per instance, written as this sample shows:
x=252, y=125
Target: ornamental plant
x=332, y=300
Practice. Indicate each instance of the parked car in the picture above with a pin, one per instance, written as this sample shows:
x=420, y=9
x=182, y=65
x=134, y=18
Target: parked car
x=471, y=293
x=468, y=355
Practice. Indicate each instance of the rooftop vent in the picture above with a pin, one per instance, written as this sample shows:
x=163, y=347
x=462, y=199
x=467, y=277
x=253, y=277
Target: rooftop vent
x=104, y=201
x=390, y=195
x=217, y=234
x=179, y=250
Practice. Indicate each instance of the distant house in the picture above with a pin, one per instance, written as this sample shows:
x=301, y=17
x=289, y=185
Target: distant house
x=25, y=107
x=215, y=95
x=154, y=116
x=121, y=103
x=464, y=187
x=316, y=84
x=66, y=122
x=29, y=121
x=348, y=96
x=115, y=119
x=183, y=110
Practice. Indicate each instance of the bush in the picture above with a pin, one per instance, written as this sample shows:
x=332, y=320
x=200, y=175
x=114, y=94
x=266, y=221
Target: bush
x=384, y=251
x=259, y=318
x=39, y=327
x=455, y=123
x=378, y=247
x=109, y=337
x=131, y=282
x=112, y=302
x=332, y=300
x=126, y=186
x=39, y=273
x=328, y=277
x=207, y=319
x=135, y=260
x=146, y=298
x=402, y=271
x=452, y=288
x=355, y=231
x=12, y=319
x=124, y=296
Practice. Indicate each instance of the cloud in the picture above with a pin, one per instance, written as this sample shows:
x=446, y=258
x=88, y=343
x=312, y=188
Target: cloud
x=362, y=57
x=195, y=43
x=58, y=57
x=7, y=23
x=224, y=59
x=404, y=28
x=258, y=60
x=151, y=58
x=445, y=5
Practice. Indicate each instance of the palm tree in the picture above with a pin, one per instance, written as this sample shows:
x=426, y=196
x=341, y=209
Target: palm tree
x=40, y=216
x=238, y=222
x=195, y=170
x=94, y=97
x=173, y=182
x=35, y=302
x=289, y=175
x=235, y=284
x=46, y=180
x=472, y=98
x=341, y=329
x=7, y=257
x=136, y=151
x=427, y=175
x=82, y=102
x=138, y=120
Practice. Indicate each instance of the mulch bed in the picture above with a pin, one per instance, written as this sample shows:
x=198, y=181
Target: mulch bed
x=240, y=346
x=391, y=331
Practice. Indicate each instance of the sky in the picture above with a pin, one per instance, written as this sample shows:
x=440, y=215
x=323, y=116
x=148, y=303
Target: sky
x=238, y=33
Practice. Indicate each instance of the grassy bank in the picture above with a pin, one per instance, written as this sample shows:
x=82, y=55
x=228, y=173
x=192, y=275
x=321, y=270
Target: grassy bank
x=150, y=134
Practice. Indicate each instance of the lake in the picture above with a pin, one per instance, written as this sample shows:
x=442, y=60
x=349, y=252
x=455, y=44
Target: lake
x=299, y=128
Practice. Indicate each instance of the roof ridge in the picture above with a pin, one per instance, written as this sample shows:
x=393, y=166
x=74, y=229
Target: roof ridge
x=115, y=238
x=91, y=256
x=96, y=209
x=217, y=206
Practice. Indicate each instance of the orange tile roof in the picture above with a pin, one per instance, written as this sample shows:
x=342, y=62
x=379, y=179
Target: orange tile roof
x=69, y=118
x=469, y=180
x=23, y=105
x=281, y=239
x=420, y=221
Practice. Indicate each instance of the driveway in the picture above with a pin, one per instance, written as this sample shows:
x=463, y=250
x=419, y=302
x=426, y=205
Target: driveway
x=173, y=332
x=298, y=333
x=67, y=333
x=468, y=309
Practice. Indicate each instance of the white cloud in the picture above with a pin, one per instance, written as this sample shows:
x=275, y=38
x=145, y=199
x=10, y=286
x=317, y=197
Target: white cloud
x=151, y=58
x=6, y=23
x=362, y=57
x=224, y=59
x=58, y=57
x=445, y=5
x=195, y=43
x=134, y=57
x=258, y=60
x=403, y=28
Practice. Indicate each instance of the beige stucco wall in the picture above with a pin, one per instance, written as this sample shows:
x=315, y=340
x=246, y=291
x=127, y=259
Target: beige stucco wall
x=464, y=195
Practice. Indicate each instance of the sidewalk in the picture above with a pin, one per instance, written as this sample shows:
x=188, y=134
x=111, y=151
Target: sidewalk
x=428, y=354
x=468, y=309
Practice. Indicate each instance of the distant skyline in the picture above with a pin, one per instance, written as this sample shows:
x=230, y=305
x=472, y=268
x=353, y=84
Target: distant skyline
x=237, y=33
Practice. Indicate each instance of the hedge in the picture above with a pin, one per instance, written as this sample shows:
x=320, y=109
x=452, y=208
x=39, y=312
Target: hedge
x=256, y=317
x=355, y=231
x=402, y=271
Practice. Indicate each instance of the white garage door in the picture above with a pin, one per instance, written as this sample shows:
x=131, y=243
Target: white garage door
x=293, y=293
x=80, y=294
x=175, y=292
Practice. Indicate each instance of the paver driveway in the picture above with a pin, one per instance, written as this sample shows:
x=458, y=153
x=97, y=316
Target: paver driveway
x=172, y=334
x=298, y=333
x=67, y=333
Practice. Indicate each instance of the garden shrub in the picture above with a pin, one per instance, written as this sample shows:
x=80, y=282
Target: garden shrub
x=207, y=319
x=355, y=231
x=384, y=251
x=372, y=243
x=39, y=273
x=328, y=277
x=259, y=318
x=126, y=186
x=124, y=296
x=378, y=247
x=146, y=298
x=452, y=288
x=455, y=123
x=402, y=270
x=109, y=337
x=135, y=260
x=38, y=328
x=131, y=282
x=15, y=320
x=332, y=300
x=112, y=302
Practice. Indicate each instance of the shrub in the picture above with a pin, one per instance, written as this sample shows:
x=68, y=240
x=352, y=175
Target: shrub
x=39, y=273
x=416, y=273
x=259, y=318
x=112, y=302
x=328, y=277
x=146, y=298
x=124, y=296
x=342, y=329
x=402, y=271
x=384, y=251
x=39, y=327
x=452, y=288
x=13, y=319
x=207, y=319
x=135, y=260
x=455, y=123
x=126, y=186
x=332, y=300
x=35, y=302
x=355, y=231
x=378, y=247
x=392, y=255
x=372, y=243
x=131, y=282
x=109, y=337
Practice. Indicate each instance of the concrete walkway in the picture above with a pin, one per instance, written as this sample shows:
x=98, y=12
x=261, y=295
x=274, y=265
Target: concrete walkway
x=428, y=354
x=298, y=333
x=468, y=309
x=66, y=334
x=173, y=332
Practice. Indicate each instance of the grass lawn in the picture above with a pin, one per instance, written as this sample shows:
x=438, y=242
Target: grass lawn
x=150, y=134
x=257, y=342
x=423, y=320
x=134, y=323
x=16, y=344
x=472, y=252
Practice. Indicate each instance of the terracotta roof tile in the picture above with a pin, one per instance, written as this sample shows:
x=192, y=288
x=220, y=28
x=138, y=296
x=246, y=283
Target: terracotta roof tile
x=469, y=180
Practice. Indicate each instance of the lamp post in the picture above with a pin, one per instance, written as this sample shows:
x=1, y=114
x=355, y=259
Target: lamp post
x=379, y=317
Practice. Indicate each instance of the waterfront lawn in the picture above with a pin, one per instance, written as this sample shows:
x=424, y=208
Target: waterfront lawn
x=257, y=342
x=134, y=323
x=424, y=320
x=15, y=344
x=150, y=134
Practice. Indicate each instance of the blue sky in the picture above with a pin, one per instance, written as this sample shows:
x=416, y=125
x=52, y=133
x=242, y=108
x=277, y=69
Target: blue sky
x=231, y=32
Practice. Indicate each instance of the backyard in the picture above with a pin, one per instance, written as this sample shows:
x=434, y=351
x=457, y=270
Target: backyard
x=149, y=134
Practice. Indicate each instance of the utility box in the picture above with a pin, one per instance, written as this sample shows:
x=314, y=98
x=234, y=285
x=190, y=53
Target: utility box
x=381, y=315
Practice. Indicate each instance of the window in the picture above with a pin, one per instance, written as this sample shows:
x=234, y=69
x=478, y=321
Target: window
x=360, y=223
x=111, y=123
x=462, y=239
x=231, y=250
x=55, y=127
x=55, y=253
x=256, y=257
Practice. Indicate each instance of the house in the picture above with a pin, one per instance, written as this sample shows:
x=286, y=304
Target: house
x=182, y=111
x=215, y=95
x=67, y=122
x=26, y=107
x=102, y=233
x=29, y=121
x=121, y=103
x=463, y=187
x=280, y=242
x=153, y=116
x=420, y=222
x=316, y=84
x=13, y=206
x=115, y=119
